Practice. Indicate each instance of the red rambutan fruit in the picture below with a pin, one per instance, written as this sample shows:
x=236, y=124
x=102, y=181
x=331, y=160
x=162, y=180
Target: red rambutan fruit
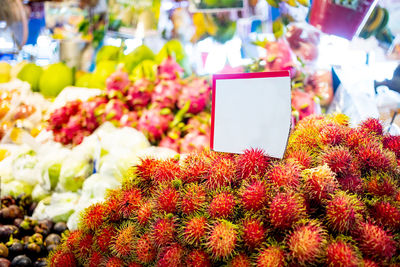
x=369, y=263
x=104, y=237
x=356, y=138
x=222, y=205
x=134, y=264
x=123, y=245
x=372, y=157
x=167, y=199
x=285, y=174
x=114, y=262
x=95, y=259
x=386, y=215
x=194, y=230
x=163, y=231
x=285, y=209
x=343, y=211
x=381, y=184
x=84, y=246
x=144, y=213
x=130, y=202
x=319, y=183
x=112, y=206
x=222, y=173
x=271, y=256
x=240, y=260
x=147, y=168
x=302, y=157
x=171, y=256
x=252, y=162
x=375, y=242
x=254, y=196
x=392, y=143
x=193, y=199
x=372, y=126
x=340, y=253
x=167, y=170
x=73, y=239
x=145, y=251
x=222, y=240
x=253, y=233
x=339, y=160
x=195, y=168
x=62, y=258
x=332, y=135
x=352, y=184
x=93, y=217
x=307, y=243
x=197, y=258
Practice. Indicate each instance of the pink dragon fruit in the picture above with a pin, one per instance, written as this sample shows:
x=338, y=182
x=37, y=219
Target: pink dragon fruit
x=303, y=103
x=139, y=94
x=198, y=93
x=129, y=119
x=171, y=140
x=111, y=111
x=166, y=94
x=118, y=81
x=194, y=141
x=61, y=115
x=89, y=120
x=280, y=57
x=169, y=69
x=201, y=123
x=154, y=122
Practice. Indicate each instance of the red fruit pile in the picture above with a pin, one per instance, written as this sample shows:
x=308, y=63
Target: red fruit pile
x=213, y=209
x=170, y=111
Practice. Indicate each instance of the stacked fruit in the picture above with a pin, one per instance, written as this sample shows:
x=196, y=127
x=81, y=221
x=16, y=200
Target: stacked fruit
x=25, y=242
x=333, y=201
x=160, y=108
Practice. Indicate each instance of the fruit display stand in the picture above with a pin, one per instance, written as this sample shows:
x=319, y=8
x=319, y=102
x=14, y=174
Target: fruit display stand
x=332, y=200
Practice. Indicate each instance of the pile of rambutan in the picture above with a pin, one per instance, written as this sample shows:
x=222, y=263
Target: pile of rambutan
x=334, y=200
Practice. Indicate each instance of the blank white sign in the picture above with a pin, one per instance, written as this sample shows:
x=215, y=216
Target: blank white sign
x=251, y=110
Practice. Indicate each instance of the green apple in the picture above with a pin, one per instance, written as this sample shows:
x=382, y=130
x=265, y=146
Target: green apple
x=31, y=73
x=55, y=78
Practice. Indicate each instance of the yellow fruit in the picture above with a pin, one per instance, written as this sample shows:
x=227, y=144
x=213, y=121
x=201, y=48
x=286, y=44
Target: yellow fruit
x=31, y=73
x=5, y=71
x=55, y=78
x=17, y=68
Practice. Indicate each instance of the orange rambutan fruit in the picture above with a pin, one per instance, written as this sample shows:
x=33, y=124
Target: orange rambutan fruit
x=144, y=250
x=123, y=244
x=93, y=217
x=253, y=233
x=307, y=243
x=240, y=260
x=372, y=126
x=344, y=211
x=252, y=162
x=339, y=160
x=167, y=199
x=286, y=174
x=254, y=196
x=197, y=258
x=222, y=240
x=319, y=183
x=104, y=237
x=302, y=157
x=193, y=198
x=131, y=199
x=171, y=256
x=194, y=231
x=271, y=256
x=222, y=173
x=167, y=171
x=286, y=209
x=222, y=205
x=375, y=242
x=340, y=253
x=380, y=184
x=163, y=231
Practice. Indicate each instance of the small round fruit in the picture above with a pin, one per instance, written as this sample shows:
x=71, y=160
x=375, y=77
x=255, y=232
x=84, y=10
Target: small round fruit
x=3, y=250
x=60, y=227
x=21, y=261
x=4, y=262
